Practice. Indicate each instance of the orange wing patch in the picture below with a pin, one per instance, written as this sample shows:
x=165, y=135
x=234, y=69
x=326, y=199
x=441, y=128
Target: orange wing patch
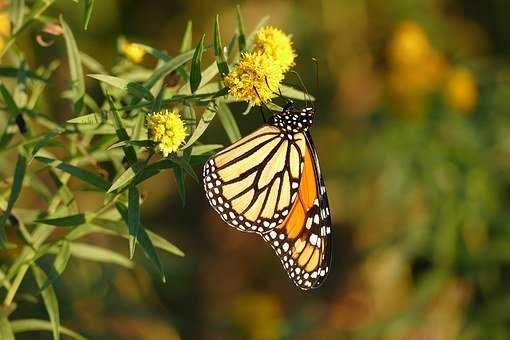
x=298, y=241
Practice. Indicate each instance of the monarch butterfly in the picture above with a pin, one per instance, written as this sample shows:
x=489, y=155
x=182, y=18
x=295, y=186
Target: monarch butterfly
x=270, y=183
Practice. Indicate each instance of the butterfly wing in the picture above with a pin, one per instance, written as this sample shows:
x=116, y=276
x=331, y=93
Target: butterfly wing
x=303, y=240
x=254, y=182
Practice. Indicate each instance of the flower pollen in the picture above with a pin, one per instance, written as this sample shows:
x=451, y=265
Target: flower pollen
x=276, y=44
x=254, y=78
x=167, y=129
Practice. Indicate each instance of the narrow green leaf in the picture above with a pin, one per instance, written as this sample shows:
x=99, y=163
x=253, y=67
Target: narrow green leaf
x=10, y=104
x=167, y=68
x=90, y=119
x=156, y=53
x=75, y=67
x=145, y=242
x=18, y=8
x=290, y=92
x=181, y=188
x=203, y=123
x=59, y=265
x=202, y=149
x=12, y=72
x=94, y=253
x=45, y=141
x=221, y=60
x=65, y=221
x=50, y=300
x=30, y=325
x=133, y=218
x=240, y=28
x=228, y=121
x=187, y=38
x=186, y=166
x=89, y=6
x=17, y=184
x=79, y=173
x=139, y=91
x=123, y=179
x=129, y=151
x=196, y=62
x=146, y=143
x=111, y=80
x=6, y=331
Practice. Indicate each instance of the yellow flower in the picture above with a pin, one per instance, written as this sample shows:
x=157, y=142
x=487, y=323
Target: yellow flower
x=461, y=91
x=133, y=52
x=409, y=45
x=167, y=129
x=276, y=44
x=254, y=71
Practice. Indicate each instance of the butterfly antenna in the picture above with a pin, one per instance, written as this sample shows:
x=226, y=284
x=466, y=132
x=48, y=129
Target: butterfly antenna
x=262, y=104
x=316, y=62
x=303, y=87
x=279, y=93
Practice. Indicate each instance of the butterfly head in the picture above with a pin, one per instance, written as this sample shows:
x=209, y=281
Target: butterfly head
x=293, y=121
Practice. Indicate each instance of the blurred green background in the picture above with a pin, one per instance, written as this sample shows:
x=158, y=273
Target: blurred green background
x=413, y=134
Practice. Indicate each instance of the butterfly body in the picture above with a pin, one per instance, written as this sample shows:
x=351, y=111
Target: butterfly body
x=269, y=183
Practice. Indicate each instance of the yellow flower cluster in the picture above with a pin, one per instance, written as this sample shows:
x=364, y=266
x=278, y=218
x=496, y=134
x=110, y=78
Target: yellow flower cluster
x=259, y=73
x=5, y=28
x=133, y=52
x=167, y=129
x=274, y=43
x=254, y=78
x=461, y=91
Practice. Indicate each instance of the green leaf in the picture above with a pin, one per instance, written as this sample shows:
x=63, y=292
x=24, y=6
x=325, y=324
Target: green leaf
x=196, y=72
x=146, y=143
x=123, y=179
x=139, y=91
x=203, y=123
x=59, y=265
x=133, y=218
x=90, y=119
x=75, y=67
x=50, y=300
x=187, y=38
x=135, y=89
x=240, y=28
x=30, y=325
x=221, y=60
x=45, y=140
x=12, y=108
x=18, y=6
x=168, y=68
x=228, y=121
x=94, y=253
x=145, y=242
x=202, y=149
x=65, y=221
x=84, y=175
x=181, y=188
x=111, y=80
x=129, y=151
x=17, y=184
x=12, y=72
x=6, y=331
x=293, y=93
x=89, y=6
